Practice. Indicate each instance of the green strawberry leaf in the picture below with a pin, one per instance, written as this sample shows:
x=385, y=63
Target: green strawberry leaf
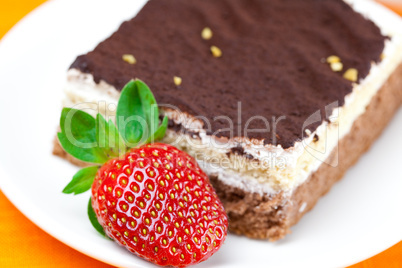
x=94, y=220
x=78, y=136
x=137, y=113
x=81, y=181
x=160, y=132
x=108, y=137
x=151, y=111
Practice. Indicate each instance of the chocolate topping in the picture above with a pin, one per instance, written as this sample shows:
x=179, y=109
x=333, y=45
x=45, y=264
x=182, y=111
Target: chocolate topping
x=180, y=128
x=271, y=60
x=239, y=150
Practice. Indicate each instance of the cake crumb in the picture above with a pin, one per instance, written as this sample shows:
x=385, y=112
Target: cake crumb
x=336, y=66
x=302, y=207
x=177, y=80
x=129, y=59
x=351, y=74
x=206, y=33
x=216, y=51
x=333, y=59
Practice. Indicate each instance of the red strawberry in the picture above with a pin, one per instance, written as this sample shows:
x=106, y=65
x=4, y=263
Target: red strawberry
x=159, y=204
x=154, y=200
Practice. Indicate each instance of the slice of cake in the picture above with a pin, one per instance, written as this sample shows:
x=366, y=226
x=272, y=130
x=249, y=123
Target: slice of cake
x=276, y=99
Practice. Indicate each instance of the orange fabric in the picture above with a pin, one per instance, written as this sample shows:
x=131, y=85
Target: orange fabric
x=23, y=244
x=396, y=6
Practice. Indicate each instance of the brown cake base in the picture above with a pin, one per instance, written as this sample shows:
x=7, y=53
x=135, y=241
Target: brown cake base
x=271, y=216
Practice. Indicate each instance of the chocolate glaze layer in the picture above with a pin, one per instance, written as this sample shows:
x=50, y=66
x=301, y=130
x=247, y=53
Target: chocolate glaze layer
x=180, y=128
x=239, y=150
x=271, y=62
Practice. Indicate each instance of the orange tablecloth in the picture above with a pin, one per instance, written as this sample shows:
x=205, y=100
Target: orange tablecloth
x=22, y=244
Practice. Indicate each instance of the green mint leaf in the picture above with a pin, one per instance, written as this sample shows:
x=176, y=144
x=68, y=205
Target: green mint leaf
x=160, y=132
x=108, y=137
x=82, y=181
x=94, y=220
x=78, y=136
x=137, y=113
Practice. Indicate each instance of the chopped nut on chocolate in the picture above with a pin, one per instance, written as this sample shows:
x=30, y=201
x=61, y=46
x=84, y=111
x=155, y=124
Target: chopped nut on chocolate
x=336, y=66
x=177, y=80
x=351, y=74
x=129, y=59
x=216, y=51
x=206, y=33
x=333, y=59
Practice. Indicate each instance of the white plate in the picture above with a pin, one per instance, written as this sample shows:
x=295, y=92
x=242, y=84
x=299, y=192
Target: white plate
x=361, y=216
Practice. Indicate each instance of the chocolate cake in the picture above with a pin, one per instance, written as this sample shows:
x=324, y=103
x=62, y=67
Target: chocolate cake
x=275, y=99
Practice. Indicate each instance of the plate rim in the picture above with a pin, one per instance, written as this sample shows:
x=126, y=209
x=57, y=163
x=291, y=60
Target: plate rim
x=17, y=198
